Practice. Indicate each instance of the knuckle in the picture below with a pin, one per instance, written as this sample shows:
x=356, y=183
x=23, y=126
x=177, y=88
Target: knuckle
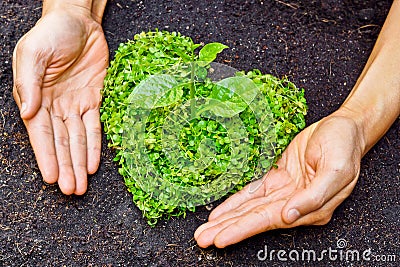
x=318, y=199
x=66, y=165
x=324, y=219
x=79, y=140
x=93, y=150
x=94, y=132
x=80, y=169
x=264, y=215
x=43, y=129
x=24, y=46
x=18, y=86
x=345, y=167
x=340, y=167
x=62, y=141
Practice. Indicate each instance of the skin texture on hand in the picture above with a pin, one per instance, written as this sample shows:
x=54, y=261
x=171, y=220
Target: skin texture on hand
x=317, y=171
x=59, y=68
x=320, y=167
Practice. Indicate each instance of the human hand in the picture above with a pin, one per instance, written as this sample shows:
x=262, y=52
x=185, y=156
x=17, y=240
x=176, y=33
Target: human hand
x=317, y=171
x=59, y=67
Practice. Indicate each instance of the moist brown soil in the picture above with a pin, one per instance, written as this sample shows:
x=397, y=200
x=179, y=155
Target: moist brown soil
x=320, y=45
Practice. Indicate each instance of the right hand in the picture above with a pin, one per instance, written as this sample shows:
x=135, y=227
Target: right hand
x=317, y=171
x=59, y=67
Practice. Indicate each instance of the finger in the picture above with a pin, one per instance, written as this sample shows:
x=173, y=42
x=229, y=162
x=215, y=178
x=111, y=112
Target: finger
x=276, y=186
x=239, y=211
x=91, y=120
x=41, y=136
x=29, y=65
x=263, y=218
x=324, y=214
x=274, y=181
x=250, y=191
x=325, y=185
x=77, y=146
x=66, y=178
x=206, y=236
x=258, y=220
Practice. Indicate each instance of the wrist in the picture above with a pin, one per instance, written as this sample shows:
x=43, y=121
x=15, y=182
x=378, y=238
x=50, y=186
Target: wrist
x=357, y=121
x=372, y=118
x=89, y=8
x=373, y=103
x=76, y=5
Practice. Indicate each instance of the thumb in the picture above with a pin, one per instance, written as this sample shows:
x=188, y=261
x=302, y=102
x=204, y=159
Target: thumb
x=29, y=66
x=322, y=189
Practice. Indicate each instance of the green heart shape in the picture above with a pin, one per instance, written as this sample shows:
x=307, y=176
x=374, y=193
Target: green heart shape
x=186, y=130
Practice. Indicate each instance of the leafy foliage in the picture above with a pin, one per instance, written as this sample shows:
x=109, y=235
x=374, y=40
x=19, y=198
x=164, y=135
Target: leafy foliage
x=209, y=52
x=202, y=139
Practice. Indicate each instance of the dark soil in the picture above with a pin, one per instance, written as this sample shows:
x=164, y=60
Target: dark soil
x=320, y=45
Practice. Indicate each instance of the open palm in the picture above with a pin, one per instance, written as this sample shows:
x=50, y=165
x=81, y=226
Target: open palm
x=59, y=67
x=317, y=171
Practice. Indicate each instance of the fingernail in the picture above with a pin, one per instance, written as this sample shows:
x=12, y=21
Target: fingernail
x=293, y=215
x=23, y=108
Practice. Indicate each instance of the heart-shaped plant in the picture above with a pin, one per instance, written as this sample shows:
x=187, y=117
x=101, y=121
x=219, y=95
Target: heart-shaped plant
x=187, y=130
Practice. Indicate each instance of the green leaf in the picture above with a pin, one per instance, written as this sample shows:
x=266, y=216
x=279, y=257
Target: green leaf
x=156, y=91
x=231, y=96
x=210, y=51
x=241, y=86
